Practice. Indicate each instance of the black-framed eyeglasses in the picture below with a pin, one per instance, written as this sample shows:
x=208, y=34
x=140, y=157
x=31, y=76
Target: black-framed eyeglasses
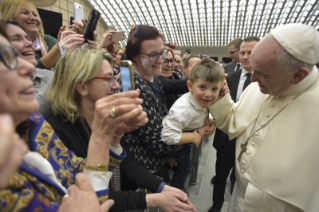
x=233, y=52
x=110, y=79
x=154, y=56
x=172, y=61
x=9, y=56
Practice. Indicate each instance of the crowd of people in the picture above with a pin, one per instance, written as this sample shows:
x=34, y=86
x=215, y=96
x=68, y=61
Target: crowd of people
x=70, y=141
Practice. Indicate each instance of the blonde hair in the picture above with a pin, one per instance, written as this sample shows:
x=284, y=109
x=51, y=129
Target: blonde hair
x=118, y=49
x=76, y=66
x=11, y=8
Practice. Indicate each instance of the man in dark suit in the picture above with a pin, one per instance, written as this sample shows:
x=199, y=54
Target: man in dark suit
x=233, y=50
x=237, y=82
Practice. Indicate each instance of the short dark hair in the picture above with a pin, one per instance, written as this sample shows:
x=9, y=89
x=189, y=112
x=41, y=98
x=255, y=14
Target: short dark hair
x=186, y=61
x=137, y=35
x=236, y=42
x=3, y=31
x=251, y=38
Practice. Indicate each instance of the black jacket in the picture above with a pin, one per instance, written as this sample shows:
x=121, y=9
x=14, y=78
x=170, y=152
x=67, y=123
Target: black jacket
x=133, y=174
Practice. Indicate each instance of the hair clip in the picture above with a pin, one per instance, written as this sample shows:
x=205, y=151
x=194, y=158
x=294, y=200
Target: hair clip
x=133, y=27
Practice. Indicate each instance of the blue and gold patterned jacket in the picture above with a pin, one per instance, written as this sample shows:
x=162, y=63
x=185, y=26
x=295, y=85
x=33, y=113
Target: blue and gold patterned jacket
x=29, y=189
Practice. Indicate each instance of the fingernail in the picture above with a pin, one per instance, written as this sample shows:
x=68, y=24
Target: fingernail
x=146, y=119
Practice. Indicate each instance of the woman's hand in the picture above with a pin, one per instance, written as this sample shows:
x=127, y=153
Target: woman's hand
x=92, y=44
x=128, y=110
x=79, y=28
x=82, y=197
x=62, y=28
x=71, y=40
x=12, y=149
x=172, y=200
x=106, y=41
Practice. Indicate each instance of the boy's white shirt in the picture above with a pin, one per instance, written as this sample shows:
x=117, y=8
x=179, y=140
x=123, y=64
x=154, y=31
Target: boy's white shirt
x=185, y=115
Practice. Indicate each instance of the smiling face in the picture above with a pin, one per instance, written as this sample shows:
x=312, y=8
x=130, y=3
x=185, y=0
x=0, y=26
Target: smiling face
x=205, y=93
x=144, y=66
x=30, y=21
x=21, y=41
x=16, y=89
x=168, y=67
x=99, y=88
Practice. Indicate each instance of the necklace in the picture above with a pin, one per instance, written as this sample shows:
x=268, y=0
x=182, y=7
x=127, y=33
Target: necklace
x=243, y=146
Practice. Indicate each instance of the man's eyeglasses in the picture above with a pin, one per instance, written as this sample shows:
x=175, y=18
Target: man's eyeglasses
x=233, y=52
x=110, y=80
x=154, y=56
x=9, y=56
x=172, y=61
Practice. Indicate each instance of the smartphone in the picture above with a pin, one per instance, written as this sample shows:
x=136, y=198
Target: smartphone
x=188, y=51
x=126, y=68
x=91, y=24
x=78, y=12
x=120, y=35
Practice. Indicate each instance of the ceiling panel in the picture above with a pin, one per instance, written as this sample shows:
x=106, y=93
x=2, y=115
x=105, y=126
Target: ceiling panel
x=207, y=22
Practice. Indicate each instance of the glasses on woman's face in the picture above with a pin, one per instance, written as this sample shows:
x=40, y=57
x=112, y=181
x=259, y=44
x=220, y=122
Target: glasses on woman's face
x=172, y=61
x=154, y=56
x=110, y=79
x=9, y=56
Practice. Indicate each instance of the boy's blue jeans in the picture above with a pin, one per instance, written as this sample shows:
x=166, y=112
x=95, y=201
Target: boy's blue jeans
x=184, y=166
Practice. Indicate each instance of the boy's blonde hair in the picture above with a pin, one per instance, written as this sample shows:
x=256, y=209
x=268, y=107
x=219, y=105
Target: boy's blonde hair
x=11, y=8
x=76, y=66
x=207, y=70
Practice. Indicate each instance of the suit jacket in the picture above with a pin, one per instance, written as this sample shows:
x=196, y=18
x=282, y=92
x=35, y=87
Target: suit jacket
x=230, y=67
x=232, y=81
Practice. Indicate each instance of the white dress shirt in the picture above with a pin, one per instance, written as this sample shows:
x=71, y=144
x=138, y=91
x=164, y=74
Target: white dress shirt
x=241, y=83
x=185, y=115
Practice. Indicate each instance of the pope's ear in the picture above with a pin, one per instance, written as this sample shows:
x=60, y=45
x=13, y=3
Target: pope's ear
x=190, y=86
x=299, y=75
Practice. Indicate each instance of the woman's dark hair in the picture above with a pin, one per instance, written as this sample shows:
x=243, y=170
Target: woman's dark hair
x=137, y=35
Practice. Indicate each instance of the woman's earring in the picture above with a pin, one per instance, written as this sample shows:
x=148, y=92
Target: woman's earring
x=85, y=93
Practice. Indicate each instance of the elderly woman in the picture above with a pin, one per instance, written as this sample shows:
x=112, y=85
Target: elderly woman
x=81, y=79
x=47, y=49
x=50, y=168
x=146, y=49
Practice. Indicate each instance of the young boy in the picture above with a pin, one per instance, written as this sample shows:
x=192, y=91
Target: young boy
x=184, y=123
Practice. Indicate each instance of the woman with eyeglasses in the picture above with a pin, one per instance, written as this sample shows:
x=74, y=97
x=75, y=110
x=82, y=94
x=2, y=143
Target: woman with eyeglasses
x=48, y=172
x=47, y=50
x=81, y=79
x=146, y=49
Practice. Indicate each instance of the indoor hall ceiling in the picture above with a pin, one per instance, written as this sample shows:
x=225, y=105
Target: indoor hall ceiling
x=207, y=22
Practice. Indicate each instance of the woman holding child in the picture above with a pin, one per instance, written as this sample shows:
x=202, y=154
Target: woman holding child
x=146, y=49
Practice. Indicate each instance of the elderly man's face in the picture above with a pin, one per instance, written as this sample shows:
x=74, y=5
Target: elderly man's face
x=266, y=71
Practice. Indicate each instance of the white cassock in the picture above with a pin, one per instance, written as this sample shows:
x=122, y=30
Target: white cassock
x=279, y=171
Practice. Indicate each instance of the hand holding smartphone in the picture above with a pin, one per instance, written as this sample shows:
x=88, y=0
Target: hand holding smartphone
x=117, y=36
x=126, y=68
x=91, y=25
x=78, y=12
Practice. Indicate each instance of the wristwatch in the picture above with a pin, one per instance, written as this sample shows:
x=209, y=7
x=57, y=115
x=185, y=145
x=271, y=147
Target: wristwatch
x=99, y=168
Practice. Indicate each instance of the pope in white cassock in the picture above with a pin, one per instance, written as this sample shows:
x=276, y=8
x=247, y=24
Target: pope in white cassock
x=276, y=123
